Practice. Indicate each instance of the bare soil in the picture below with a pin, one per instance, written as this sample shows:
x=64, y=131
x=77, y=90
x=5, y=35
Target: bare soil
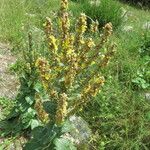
x=8, y=81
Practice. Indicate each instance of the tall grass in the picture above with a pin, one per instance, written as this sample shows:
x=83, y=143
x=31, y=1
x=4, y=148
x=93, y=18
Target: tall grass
x=17, y=17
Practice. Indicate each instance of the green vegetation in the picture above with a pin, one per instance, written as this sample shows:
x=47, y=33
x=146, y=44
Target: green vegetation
x=119, y=116
x=6, y=105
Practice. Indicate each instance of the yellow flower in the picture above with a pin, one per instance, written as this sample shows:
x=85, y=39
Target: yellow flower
x=90, y=43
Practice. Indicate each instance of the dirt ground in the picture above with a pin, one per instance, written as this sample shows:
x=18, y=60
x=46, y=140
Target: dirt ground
x=8, y=81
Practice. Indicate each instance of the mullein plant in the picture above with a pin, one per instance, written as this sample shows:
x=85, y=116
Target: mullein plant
x=71, y=75
x=71, y=72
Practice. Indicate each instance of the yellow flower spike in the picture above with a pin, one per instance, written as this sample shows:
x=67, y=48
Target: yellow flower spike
x=81, y=28
x=64, y=5
x=96, y=83
x=44, y=71
x=41, y=113
x=82, y=58
x=94, y=26
x=65, y=25
x=86, y=89
x=108, y=29
x=69, y=46
x=48, y=27
x=108, y=26
x=82, y=24
x=61, y=109
x=100, y=80
x=93, y=84
x=64, y=19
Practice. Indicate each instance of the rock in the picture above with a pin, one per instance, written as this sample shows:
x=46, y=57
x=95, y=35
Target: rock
x=80, y=132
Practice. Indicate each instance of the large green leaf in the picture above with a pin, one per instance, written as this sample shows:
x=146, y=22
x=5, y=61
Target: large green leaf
x=43, y=138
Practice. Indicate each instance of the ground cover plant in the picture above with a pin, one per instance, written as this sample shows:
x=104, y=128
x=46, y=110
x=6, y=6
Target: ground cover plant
x=117, y=118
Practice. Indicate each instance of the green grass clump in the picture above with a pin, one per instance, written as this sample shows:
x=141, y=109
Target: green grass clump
x=103, y=11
